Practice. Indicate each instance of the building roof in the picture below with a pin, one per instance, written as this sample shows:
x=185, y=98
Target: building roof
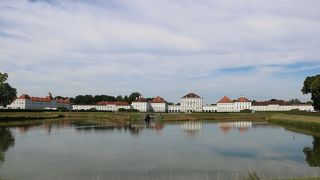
x=140, y=99
x=118, y=103
x=63, y=101
x=40, y=99
x=103, y=103
x=225, y=99
x=122, y=103
x=242, y=99
x=271, y=102
x=44, y=99
x=191, y=95
x=24, y=96
x=158, y=99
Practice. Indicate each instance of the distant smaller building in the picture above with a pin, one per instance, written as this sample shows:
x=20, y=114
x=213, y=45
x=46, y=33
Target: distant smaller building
x=83, y=107
x=280, y=105
x=210, y=108
x=103, y=106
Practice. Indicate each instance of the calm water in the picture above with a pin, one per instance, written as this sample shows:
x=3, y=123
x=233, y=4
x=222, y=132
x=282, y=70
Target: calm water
x=188, y=150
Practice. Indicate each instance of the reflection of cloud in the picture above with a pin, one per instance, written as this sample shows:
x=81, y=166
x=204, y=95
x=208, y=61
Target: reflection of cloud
x=239, y=153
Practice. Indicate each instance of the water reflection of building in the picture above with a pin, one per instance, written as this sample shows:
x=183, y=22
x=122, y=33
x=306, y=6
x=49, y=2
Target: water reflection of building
x=157, y=126
x=242, y=126
x=192, y=127
x=46, y=125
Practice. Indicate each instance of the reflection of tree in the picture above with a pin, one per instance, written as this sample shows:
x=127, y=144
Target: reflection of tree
x=313, y=154
x=6, y=140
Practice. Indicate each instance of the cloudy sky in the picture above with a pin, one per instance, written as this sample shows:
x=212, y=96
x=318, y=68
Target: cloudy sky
x=261, y=49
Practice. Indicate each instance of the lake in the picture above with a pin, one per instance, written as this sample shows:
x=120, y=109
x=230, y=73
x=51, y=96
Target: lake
x=68, y=149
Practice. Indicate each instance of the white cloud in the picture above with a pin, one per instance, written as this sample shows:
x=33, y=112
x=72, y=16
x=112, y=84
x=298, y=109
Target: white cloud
x=157, y=47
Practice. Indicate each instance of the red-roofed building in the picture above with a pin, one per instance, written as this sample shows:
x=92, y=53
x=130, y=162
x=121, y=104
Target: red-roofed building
x=28, y=102
x=24, y=96
x=242, y=99
x=225, y=104
x=225, y=99
x=158, y=104
x=242, y=103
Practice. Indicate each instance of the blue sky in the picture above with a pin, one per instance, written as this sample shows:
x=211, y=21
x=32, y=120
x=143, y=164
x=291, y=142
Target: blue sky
x=260, y=49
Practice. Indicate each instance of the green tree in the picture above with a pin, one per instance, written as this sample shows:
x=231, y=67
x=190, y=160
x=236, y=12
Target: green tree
x=119, y=98
x=7, y=93
x=126, y=98
x=295, y=101
x=133, y=96
x=312, y=85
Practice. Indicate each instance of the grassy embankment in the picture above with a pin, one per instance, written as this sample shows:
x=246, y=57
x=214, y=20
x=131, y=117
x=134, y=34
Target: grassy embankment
x=254, y=176
x=24, y=118
x=307, y=123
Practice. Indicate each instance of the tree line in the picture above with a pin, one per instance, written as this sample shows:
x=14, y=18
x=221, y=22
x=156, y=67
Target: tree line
x=90, y=99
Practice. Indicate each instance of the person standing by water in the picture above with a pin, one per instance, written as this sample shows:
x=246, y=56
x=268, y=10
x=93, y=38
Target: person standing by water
x=147, y=119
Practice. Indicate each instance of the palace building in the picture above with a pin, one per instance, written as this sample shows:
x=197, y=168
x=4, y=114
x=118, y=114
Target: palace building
x=28, y=102
x=191, y=103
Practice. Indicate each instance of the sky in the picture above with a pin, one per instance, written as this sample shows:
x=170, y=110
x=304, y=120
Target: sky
x=260, y=49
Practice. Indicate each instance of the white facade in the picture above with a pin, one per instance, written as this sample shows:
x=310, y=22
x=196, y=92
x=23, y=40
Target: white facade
x=127, y=107
x=83, y=107
x=141, y=106
x=159, y=107
x=225, y=104
x=191, y=103
x=103, y=106
x=225, y=107
x=210, y=108
x=174, y=108
x=238, y=106
x=277, y=107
